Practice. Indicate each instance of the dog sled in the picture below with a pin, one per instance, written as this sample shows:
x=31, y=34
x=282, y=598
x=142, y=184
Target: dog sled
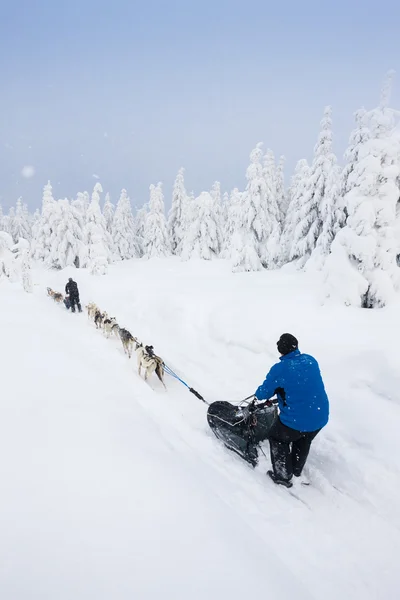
x=241, y=428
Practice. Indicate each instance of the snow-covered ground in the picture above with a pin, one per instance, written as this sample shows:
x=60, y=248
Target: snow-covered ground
x=115, y=489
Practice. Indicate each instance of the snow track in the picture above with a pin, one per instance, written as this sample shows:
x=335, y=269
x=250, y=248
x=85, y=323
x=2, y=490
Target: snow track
x=113, y=488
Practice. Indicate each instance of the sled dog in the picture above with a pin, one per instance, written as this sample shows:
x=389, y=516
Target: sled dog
x=91, y=310
x=149, y=362
x=99, y=318
x=57, y=296
x=108, y=325
x=127, y=340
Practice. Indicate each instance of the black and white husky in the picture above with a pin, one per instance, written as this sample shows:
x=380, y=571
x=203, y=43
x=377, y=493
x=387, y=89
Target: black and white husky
x=149, y=362
x=127, y=340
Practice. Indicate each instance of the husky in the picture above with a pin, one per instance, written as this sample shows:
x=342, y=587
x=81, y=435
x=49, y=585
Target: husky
x=108, y=325
x=150, y=362
x=91, y=310
x=57, y=296
x=99, y=318
x=127, y=340
x=115, y=329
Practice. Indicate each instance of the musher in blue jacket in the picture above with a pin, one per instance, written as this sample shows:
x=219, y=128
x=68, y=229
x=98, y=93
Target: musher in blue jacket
x=303, y=409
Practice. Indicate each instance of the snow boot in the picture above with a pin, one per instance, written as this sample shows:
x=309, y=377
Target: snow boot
x=278, y=480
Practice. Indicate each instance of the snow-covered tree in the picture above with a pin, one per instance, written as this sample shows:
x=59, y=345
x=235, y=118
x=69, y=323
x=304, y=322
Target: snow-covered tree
x=156, y=242
x=42, y=231
x=217, y=210
x=22, y=263
x=224, y=214
x=177, y=213
x=67, y=247
x=203, y=237
x=108, y=213
x=250, y=236
x=20, y=224
x=282, y=198
x=125, y=244
x=309, y=227
x=329, y=212
x=79, y=204
x=367, y=248
x=270, y=250
x=7, y=260
x=233, y=212
x=138, y=228
x=295, y=193
x=96, y=238
x=1, y=218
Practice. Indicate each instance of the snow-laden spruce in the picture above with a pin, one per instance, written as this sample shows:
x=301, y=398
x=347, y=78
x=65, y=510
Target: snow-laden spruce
x=138, y=230
x=97, y=239
x=295, y=193
x=155, y=236
x=177, y=215
x=67, y=247
x=233, y=215
x=218, y=212
x=7, y=259
x=20, y=226
x=202, y=240
x=368, y=246
x=309, y=219
x=270, y=250
x=125, y=245
x=79, y=204
x=108, y=213
x=42, y=232
x=250, y=236
x=282, y=199
x=22, y=263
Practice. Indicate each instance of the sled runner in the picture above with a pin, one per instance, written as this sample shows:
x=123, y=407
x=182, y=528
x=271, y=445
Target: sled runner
x=241, y=428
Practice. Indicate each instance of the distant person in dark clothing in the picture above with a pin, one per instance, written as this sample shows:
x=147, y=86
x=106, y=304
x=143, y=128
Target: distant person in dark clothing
x=72, y=290
x=303, y=409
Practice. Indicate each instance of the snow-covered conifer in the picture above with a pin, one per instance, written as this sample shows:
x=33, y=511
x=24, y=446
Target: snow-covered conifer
x=217, y=209
x=203, y=238
x=42, y=232
x=282, y=198
x=177, y=213
x=125, y=244
x=367, y=247
x=108, y=213
x=156, y=241
x=138, y=227
x=233, y=212
x=96, y=238
x=79, y=204
x=309, y=227
x=67, y=247
x=20, y=224
x=250, y=236
x=7, y=260
x=293, y=216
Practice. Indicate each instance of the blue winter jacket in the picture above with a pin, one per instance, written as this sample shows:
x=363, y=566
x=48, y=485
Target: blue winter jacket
x=297, y=382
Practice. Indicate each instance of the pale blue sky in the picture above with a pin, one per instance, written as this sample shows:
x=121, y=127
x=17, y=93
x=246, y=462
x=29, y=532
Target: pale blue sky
x=130, y=91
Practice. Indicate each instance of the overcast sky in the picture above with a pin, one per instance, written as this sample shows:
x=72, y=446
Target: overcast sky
x=130, y=91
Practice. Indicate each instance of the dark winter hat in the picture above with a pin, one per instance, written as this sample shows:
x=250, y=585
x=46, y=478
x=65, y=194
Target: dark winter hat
x=287, y=343
x=70, y=279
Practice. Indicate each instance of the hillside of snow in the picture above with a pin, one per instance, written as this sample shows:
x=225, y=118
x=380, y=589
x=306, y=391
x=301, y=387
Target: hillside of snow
x=114, y=488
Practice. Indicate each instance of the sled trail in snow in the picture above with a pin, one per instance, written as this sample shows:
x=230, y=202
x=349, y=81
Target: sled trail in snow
x=128, y=480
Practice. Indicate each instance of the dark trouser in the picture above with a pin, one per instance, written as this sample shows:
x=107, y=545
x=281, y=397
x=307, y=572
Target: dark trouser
x=75, y=302
x=289, y=449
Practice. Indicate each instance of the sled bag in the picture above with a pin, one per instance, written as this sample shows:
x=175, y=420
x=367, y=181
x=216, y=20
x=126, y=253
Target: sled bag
x=241, y=430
